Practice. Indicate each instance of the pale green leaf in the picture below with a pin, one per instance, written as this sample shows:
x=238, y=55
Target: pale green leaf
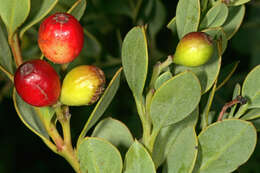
x=138, y=160
x=115, y=132
x=175, y=99
x=135, y=59
x=31, y=117
x=187, y=16
x=78, y=9
x=168, y=135
x=250, y=88
x=14, y=13
x=234, y=20
x=215, y=17
x=238, y=2
x=225, y=145
x=162, y=78
x=183, y=153
x=97, y=155
x=252, y=114
x=5, y=53
x=40, y=8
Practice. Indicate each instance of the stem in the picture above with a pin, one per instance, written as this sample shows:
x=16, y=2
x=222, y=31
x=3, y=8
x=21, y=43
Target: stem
x=9, y=75
x=67, y=150
x=16, y=50
x=238, y=99
x=145, y=124
x=158, y=69
x=152, y=139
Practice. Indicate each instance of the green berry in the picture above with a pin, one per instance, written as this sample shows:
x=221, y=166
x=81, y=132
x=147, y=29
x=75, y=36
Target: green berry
x=194, y=49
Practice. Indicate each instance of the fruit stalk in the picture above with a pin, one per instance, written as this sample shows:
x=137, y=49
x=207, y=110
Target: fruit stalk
x=16, y=50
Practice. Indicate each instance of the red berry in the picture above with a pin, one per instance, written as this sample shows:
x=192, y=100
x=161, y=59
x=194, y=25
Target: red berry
x=60, y=38
x=37, y=83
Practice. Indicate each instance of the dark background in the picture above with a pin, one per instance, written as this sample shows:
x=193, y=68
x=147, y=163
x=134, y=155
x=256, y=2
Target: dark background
x=23, y=152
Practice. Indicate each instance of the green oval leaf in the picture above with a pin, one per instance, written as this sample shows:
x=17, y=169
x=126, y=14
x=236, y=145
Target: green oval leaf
x=175, y=99
x=32, y=117
x=138, y=160
x=172, y=25
x=256, y=123
x=98, y=155
x=135, y=60
x=5, y=53
x=78, y=9
x=162, y=78
x=168, y=135
x=14, y=13
x=206, y=73
x=252, y=114
x=235, y=17
x=182, y=155
x=215, y=17
x=187, y=16
x=40, y=8
x=115, y=132
x=250, y=88
x=102, y=104
x=225, y=145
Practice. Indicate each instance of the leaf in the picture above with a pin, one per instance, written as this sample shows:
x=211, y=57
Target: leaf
x=256, y=123
x=98, y=155
x=215, y=17
x=187, y=16
x=250, y=88
x=206, y=73
x=175, y=99
x=252, y=114
x=14, y=13
x=162, y=79
x=135, y=60
x=78, y=9
x=31, y=117
x=5, y=53
x=225, y=145
x=168, y=135
x=226, y=73
x=172, y=25
x=183, y=153
x=40, y=8
x=236, y=93
x=234, y=20
x=238, y=2
x=102, y=104
x=115, y=132
x=138, y=160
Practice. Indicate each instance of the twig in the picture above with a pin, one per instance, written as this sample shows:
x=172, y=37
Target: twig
x=238, y=99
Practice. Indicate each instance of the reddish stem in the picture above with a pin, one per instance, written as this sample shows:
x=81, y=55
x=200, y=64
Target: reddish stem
x=238, y=99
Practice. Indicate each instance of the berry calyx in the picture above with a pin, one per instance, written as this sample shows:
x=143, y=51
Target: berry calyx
x=60, y=38
x=37, y=83
x=194, y=49
x=83, y=85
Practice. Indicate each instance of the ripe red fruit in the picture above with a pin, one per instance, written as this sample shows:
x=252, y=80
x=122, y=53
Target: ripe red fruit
x=37, y=83
x=60, y=38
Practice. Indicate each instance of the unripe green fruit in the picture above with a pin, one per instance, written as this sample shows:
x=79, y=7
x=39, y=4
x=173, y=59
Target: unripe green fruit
x=83, y=85
x=194, y=49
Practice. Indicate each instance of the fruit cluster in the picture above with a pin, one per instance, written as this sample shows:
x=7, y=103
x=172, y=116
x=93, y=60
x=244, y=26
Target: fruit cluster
x=60, y=39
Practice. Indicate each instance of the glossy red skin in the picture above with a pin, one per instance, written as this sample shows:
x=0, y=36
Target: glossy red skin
x=37, y=83
x=60, y=38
